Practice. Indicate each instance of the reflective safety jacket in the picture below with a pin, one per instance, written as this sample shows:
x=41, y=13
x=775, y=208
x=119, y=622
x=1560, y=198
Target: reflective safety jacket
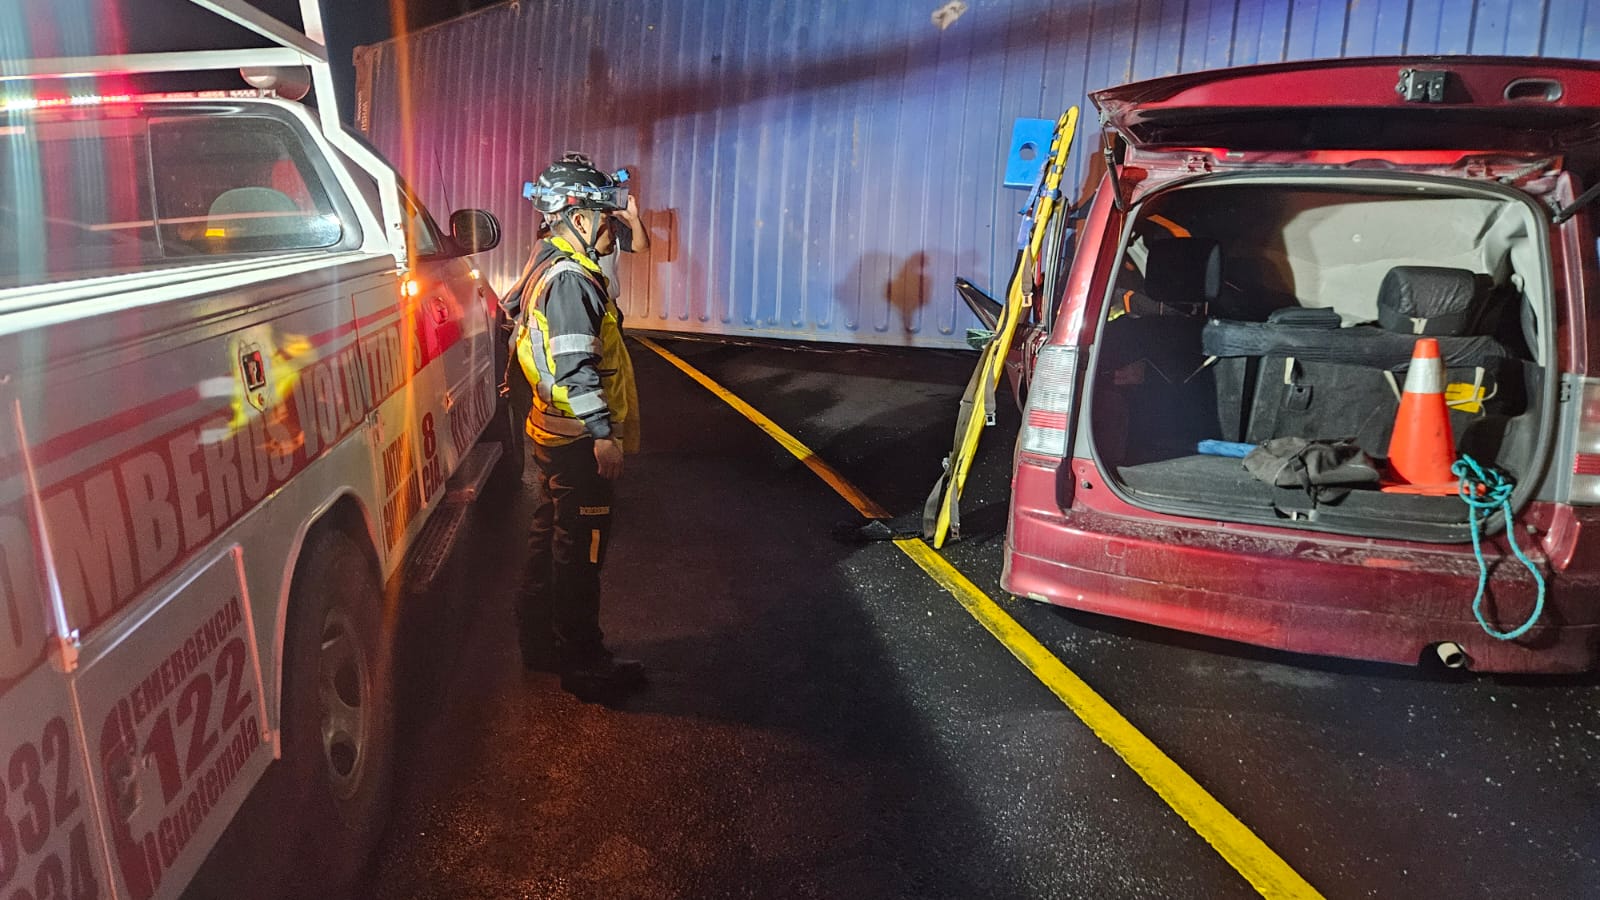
x=569, y=345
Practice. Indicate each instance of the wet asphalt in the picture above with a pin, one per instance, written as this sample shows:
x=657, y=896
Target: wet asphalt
x=825, y=721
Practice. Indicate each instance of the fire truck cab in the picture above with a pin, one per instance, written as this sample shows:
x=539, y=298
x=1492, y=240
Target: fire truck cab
x=243, y=375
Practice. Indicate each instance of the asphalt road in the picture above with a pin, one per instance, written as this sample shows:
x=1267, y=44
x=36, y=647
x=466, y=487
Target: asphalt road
x=826, y=721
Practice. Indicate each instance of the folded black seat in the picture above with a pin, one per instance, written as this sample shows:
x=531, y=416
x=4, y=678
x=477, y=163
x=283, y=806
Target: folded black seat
x=1321, y=381
x=1359, y=345
x=1414, y=301
x=1151, y=352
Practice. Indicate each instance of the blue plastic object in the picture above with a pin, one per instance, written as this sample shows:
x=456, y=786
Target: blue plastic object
x=1030, y=150
x=1224, y=448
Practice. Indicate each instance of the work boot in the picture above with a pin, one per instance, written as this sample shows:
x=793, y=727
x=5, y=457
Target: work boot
x=605, y=675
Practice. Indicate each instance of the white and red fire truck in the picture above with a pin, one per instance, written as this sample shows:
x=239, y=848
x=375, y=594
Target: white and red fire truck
x=243, y=377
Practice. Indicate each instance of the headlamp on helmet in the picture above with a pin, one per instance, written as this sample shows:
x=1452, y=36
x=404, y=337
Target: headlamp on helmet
x=573, y=182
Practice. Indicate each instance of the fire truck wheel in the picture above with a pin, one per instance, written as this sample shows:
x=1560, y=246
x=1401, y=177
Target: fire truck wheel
x=513, y=445
x=506, y=428
x=509, y=414
x=338, y=714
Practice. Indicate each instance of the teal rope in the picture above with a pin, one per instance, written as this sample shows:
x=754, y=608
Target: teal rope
x=1484, y=491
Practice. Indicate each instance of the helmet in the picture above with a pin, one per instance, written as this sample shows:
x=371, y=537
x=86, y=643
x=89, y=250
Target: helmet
x=573, y=182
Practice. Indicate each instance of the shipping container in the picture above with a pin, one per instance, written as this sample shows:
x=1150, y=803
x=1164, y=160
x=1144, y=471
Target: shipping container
x=823, y=170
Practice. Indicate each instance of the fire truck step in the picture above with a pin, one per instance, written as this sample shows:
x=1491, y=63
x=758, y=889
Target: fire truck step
x=475, y=469
x=432, y=549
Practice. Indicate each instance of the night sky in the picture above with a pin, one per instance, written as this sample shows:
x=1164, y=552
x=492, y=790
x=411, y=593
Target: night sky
x=351, y=23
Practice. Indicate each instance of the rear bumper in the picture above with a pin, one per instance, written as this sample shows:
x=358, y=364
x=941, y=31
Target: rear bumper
x=1363, y=601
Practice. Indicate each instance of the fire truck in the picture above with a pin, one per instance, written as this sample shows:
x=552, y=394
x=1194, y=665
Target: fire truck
x=243, y=380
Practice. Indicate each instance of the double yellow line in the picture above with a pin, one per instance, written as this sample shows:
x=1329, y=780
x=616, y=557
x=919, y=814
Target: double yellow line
x=1236, y=843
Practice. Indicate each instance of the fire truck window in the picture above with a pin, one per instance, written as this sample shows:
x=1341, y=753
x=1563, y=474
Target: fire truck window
x=237, y=185
x=420, y=231
x=74, y=201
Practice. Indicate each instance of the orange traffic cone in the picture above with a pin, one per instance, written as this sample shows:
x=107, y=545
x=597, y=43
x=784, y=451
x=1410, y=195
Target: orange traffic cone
x=1422, y=448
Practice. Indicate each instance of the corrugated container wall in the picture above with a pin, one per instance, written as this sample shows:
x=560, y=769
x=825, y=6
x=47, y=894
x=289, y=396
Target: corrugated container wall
x=822, y=170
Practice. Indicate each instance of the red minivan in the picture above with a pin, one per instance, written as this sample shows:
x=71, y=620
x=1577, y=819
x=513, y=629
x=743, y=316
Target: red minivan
x=1263, y=252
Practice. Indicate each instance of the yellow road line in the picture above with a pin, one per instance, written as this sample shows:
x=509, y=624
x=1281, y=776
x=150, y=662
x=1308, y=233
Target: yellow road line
x=1247, y=853
x=1237, y=844
x=827, y=473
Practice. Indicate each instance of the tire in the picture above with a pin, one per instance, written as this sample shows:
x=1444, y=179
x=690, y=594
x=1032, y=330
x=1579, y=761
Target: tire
x=509, y=414
x=507, y=429
x=337, y=770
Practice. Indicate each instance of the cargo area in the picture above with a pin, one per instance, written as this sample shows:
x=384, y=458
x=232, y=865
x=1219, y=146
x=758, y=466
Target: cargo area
x=1251, y=309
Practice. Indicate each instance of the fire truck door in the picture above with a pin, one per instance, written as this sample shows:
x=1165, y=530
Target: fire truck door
x=403, y=339
x=50, y=843
x=176, y=729
x=453, y=327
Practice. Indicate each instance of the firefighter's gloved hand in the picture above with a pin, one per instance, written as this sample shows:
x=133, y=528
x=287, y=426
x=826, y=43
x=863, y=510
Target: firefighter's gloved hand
x=608, y=458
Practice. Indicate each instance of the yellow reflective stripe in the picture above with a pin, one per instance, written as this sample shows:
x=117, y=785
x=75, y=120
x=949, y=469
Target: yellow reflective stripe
x=560, y=400
x=555, y=423
x=572, y=252
x=526, y=358
x=544, y=342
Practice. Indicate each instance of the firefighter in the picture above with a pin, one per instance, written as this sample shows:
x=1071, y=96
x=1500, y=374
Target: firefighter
x=583, y=418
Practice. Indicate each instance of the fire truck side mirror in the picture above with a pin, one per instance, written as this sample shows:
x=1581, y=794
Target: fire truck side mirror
x=474, y=230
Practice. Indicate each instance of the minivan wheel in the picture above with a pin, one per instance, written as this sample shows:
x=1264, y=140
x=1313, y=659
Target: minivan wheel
x=338, y=715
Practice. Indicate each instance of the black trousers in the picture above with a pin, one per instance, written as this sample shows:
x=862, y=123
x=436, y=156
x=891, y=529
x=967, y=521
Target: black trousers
x=559, y=610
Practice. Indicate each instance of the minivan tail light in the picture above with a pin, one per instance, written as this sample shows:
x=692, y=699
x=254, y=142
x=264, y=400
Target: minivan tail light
x=1586, y=458
x=1047, y=420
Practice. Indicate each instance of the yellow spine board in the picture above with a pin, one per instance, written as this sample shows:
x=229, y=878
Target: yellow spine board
x=992, y=360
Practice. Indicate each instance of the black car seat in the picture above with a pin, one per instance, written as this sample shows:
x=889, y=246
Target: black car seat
x=1151, y=403
x=1318, y=380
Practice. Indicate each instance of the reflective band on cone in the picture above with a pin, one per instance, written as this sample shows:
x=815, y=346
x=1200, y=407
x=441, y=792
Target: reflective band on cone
x=1423, y=447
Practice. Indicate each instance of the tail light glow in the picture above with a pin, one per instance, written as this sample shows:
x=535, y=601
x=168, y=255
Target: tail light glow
x=1052, y=392
x=1585, y=488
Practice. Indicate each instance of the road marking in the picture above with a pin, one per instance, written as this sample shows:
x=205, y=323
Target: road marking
x=827, y=473
x=1231, y=838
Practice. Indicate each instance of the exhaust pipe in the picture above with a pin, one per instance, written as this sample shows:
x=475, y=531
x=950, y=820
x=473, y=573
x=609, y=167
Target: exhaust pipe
x=1451, y=654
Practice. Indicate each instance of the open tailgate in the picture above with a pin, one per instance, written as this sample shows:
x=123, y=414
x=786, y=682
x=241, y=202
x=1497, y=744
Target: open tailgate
x=1393, y=103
